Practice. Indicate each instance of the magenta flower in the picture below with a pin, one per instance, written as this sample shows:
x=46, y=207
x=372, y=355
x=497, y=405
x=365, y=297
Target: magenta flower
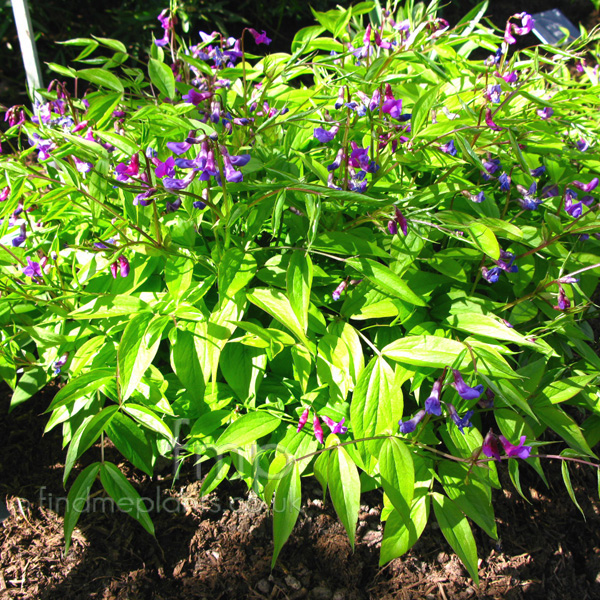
x=336, y=427
x=490, y=446
x=410, y=425
x=123, y=266
x=432, y=404
x=166, y=168
x=490, y=122
x=167, y=24
x=260, y=38
x=318, y=429
x=464, y=391
x=399, y=220
x=194, y=97
x=125, y=171
x=545, y=113
x=519, y=451
x=4, y=194
x=586, y=187
x=303, y=419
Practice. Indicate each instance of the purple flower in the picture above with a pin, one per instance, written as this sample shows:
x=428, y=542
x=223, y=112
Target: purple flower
x=488, y=400
x=550, y=191
x=490, y=445
x=165, y=168
x=410, y=425
x=506, y=261
x=340, y=99
x=586, y=187
x=336, y=427
x=504, y=180
x=82, y=166
x=231, y=174
x=490, y=275
x=494, y=59
x=60, y=363
x=449, y=148
x=461, y=422
x=21, y=237
x=259, y=38
x=172, y=185
x=325, y=136
x=582, y=145
x=493, y=93
x=575, y=209
x=401, y=220
x=337, y=293
x=527, y=201
x=563, y=301
x=167, y=24
x=199, y=205
x=375, y=100
x=464, y=391
x=491, y=166
x=240, y=160
x=392, y=107
x=178, y=147
x=32, y=269
x=538, y=172
x=173, y=206
x=510, y=77
x=142, y=199
x=359, y=157
x=337, y=162
x=303, y=419
x=194, y=97
x=545, y=113
x=432, y=404
x=318, y=429
x=519, y=451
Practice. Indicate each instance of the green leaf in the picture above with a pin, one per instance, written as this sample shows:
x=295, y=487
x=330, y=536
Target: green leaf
x=77, y=499
x=278, y=306
x=186, y=364
x=131, y=441
x=385, y=279
x=178, y=275
x=243, y=368
x=82, y=386
x=31, y=382
x=125, y=495
x=214, y=477
x=485, y=239
x=299, y=279
x=286, y=508
x=236, y=269
x=564, y=467
x=472, y=495
x=110, y=306
x=397, y=474
x=137, y=349
x=344, y=487
x=427, y=351
x=103, y=78
x=248, y=428
x=457, y=531
x=401, y=534
x=563, y=425
x=148, y=418
x=422, y=108
x=162, y=77
x=376, y=406
x=87, y=433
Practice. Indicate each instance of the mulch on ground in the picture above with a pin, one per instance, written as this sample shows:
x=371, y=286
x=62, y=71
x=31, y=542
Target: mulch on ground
x=221, y=546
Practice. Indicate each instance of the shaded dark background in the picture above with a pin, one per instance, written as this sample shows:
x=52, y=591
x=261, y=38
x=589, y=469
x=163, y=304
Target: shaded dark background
x=133, y=21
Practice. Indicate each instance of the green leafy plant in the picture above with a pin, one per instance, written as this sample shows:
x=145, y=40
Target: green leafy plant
x=391, y=231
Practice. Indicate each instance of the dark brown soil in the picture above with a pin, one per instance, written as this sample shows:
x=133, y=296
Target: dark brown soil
x=220, y=547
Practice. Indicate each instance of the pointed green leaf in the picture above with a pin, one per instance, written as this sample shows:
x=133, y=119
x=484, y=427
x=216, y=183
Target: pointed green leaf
x=77, y=498
x=457, y=531
x=299, y=279
x=162, y=77
x=286, y=508
x=125, y=495
x=248, y=428
x=397, y=474
x=214, y=477
x=344, y=487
